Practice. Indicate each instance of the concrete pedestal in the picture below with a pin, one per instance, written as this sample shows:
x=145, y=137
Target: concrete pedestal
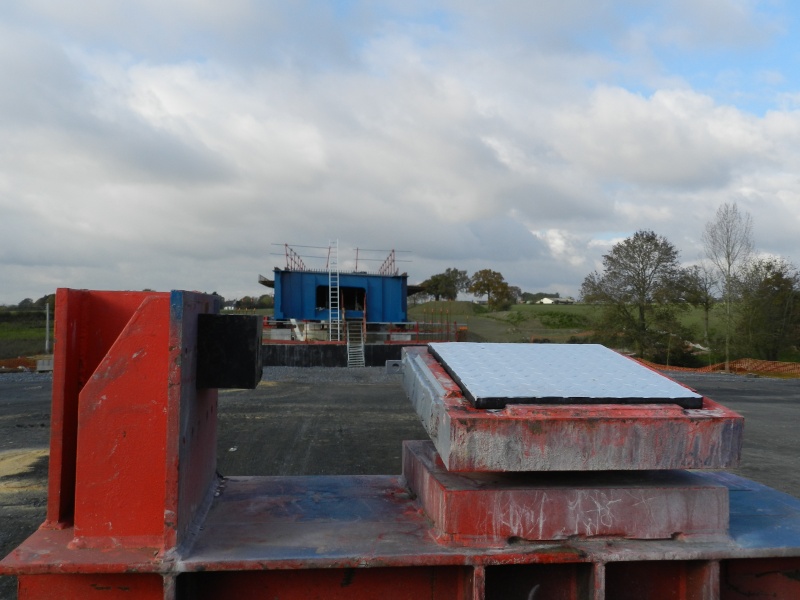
x=491, y=509
x=598, y=437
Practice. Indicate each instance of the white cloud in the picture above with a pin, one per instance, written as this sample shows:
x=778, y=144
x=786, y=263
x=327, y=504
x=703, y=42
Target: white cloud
x=564, y=245
x=168, y=145
x=673, y=138
x=703, y=24
x=637, y=212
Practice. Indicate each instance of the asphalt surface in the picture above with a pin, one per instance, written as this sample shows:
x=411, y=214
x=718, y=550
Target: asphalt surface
x=300, y=427
x=771, y=409
x=345, y=421
x=24, y=445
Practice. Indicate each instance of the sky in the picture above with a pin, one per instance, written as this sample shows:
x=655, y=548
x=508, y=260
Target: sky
x=179, y=144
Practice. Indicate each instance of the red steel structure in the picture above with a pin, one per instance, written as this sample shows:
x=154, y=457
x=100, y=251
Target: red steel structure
x=136, y=508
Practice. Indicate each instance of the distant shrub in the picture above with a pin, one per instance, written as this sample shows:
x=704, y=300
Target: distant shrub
x=20, y=347
x=563, y=320
x=515, y=318
x=23, y=318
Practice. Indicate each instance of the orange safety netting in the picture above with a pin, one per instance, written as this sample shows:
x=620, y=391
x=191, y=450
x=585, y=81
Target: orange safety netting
x=17, y=363
x=742, y=365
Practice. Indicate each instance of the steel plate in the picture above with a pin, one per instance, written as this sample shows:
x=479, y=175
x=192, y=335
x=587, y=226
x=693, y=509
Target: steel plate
x=494, y=375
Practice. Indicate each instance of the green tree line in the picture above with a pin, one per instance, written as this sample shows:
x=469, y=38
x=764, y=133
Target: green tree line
x=500, y=295
x=643, y=289
x=28, y=304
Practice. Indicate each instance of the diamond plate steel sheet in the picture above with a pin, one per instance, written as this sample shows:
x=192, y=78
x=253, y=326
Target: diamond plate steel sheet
x=494, y=375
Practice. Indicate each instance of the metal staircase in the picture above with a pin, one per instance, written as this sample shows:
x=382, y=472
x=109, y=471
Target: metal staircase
x=355, y=344
x=334, y=298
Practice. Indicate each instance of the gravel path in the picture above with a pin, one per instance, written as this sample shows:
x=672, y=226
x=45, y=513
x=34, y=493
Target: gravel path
x=311, y=375
x=24, y=376
x=370, y=375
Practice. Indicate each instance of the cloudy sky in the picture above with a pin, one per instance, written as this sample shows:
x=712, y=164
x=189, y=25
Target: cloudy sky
x=177, y=144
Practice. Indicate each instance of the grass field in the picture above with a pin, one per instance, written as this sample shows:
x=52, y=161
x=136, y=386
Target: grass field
x=24, y=334
x=565, y=323
x=522, y=323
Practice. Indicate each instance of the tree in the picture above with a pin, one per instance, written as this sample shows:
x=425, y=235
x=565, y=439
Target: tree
x=265, y=301
x=670, y=348
x=503, y=298
x=639, y=284
x=698, y=287
x=44, y=300
x=491, y=284
x=246, y=302
x=728, y=244
x=446, y=285
x=768, y=316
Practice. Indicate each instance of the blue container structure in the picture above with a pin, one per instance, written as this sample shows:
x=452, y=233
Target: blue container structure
x=352, y=316
x=304, y=296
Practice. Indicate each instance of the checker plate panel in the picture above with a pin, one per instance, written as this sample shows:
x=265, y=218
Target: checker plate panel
x=494, y=375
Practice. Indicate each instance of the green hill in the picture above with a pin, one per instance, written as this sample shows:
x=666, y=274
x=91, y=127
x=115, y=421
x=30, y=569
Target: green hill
x=522, y=323
x=561, y=323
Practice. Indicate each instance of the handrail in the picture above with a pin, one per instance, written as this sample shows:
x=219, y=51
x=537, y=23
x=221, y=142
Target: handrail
x=382, y=332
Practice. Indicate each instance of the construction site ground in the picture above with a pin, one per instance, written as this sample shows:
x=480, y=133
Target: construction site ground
x=345, y=421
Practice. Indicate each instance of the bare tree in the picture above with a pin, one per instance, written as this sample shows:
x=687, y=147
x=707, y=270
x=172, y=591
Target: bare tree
x=728, y=243
x=699, y=283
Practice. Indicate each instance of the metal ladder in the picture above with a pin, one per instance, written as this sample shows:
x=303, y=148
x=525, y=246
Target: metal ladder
x=355, y=344
x=334, y=298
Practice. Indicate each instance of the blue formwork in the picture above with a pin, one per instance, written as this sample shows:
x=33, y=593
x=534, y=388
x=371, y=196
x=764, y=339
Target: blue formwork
x=303, y=295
